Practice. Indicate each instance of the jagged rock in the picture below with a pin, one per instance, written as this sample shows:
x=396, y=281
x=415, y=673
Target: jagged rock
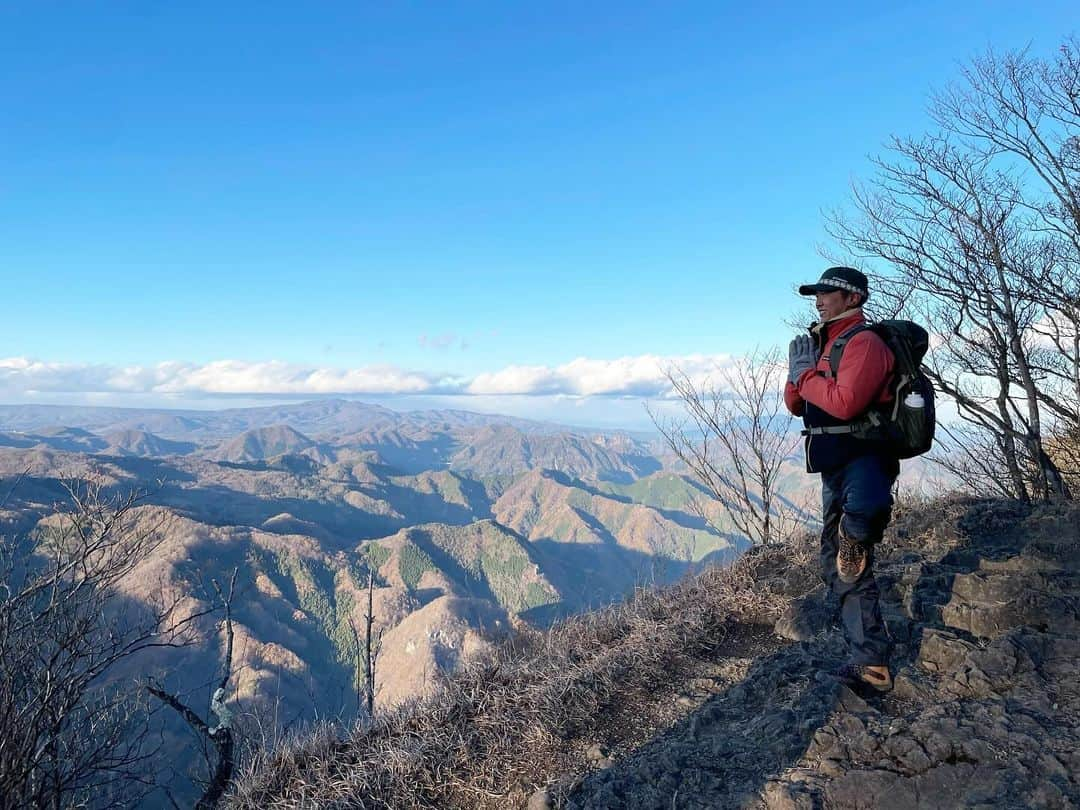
x=872, y=789
x=908, y=753
x=851, y=702
x=784, y=796
x=942, y=651
x=910, y=686
x=540, y=800
x=899, y=591
x=805, y=617
x=998, y=614
x=596, y=753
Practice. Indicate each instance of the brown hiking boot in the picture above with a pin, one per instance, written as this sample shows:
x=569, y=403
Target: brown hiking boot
x=877, y=678
x=851, y=559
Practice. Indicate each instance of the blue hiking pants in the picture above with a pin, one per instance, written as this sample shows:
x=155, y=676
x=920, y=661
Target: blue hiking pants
x=859, y=496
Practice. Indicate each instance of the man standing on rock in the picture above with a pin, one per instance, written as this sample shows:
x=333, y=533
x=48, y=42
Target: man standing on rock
x=838, y=372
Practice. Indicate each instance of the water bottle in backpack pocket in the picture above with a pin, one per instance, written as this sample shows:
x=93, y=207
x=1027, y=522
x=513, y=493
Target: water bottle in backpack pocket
x=915, y=419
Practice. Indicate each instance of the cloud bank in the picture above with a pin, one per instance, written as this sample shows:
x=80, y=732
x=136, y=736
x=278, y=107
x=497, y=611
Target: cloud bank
x=639, y=376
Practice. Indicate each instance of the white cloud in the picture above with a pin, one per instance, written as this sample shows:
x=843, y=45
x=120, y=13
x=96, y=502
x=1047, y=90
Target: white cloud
x=634, y=376
x=641, y=375
x=237, y=377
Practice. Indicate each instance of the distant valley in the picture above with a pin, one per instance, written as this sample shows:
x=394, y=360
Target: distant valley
x=470, y=524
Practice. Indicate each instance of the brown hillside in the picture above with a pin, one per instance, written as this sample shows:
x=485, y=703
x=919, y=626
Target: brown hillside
x=260, y=443
x=433, y=640
x=482, y=559
x=546, y=505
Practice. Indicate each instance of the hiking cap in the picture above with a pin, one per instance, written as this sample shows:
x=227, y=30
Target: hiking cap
x=838, y=278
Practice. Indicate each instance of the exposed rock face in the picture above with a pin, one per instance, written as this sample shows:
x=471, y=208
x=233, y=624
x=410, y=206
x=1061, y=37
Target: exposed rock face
x=806, y=616
x=985, y=711
x=432, y=641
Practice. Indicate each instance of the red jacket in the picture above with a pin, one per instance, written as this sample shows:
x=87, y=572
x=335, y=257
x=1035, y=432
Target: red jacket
x=865, y=367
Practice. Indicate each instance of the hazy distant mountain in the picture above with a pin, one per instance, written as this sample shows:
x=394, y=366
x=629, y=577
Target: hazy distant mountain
x=311, y=418
x=16, y=440
x=504, y=450
x=37, y=417
x=477, y=445
x=168, y=424
x=142, y=443
x=410, y=448
x=470, y=523
x=57, y=437
x=262, y=443
x=314, y=418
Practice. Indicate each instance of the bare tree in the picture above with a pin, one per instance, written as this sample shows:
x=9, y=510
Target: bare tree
x=979, y=225
x=71, y=732
x=1024, y=113
x=972, y=456
x=1064, y=447
x=735, y=437
x=219, y=736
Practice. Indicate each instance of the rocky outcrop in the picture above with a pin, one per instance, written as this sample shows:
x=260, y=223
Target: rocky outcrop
x=433, y=640
x=985, y=711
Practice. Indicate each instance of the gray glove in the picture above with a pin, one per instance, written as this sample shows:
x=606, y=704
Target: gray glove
x=802, y=355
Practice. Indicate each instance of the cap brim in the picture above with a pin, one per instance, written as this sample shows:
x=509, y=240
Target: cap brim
x=813, y=289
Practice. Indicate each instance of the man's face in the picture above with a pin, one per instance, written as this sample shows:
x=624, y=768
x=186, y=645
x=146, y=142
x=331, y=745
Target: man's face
x=831, y=304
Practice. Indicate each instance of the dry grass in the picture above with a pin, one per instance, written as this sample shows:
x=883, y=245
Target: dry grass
x=503, y=727
x=933, y=526
x=920, y=522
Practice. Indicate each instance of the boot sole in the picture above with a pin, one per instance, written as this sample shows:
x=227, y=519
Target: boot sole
x=847, y=579
x=864, y=688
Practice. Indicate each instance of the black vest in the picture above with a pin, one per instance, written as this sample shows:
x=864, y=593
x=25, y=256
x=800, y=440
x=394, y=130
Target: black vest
x=828, y=452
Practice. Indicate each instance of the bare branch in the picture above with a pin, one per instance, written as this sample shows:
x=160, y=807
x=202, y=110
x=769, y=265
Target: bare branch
x=734, y=438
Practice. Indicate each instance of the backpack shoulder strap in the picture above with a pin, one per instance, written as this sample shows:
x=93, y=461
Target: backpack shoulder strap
x=838, y=345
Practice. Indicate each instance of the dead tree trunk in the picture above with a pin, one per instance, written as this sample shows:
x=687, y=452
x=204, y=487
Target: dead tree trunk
x=369, y=659
x=221, y=735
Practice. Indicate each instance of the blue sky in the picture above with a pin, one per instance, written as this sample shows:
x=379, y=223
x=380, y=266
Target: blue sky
x=360, y=198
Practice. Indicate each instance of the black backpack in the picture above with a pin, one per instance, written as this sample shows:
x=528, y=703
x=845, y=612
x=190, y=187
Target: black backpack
x=905, y=426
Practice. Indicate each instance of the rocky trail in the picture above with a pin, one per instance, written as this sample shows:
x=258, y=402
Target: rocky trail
x=985, y=711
